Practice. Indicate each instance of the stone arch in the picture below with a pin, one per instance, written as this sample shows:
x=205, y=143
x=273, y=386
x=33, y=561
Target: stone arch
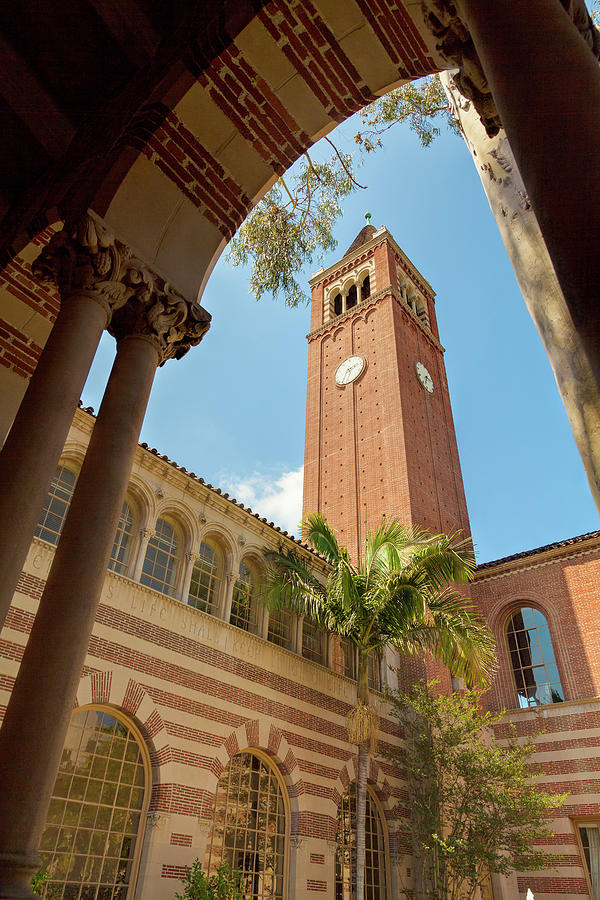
x=116, y=688
x=377, y=782
x=182, y=516
x=144, y=499
x=73, y=455
x=262, y=735
x=222, y=536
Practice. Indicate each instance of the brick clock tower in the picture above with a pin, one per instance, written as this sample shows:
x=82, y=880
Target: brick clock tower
x=379, y=432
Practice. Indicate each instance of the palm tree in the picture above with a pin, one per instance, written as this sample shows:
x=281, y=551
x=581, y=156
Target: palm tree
x=400, y=594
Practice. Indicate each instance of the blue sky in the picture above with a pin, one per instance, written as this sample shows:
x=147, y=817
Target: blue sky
x=233, y=409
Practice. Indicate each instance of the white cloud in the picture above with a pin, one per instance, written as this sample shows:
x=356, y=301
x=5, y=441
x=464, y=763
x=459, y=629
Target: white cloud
x=278, y=499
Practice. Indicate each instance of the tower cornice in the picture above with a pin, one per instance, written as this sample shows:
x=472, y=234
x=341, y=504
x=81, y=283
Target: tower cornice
x=380, y=237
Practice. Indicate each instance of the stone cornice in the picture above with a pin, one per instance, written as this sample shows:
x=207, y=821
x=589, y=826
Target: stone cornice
x=380, y=237
x=371, y=301
x=584, y=545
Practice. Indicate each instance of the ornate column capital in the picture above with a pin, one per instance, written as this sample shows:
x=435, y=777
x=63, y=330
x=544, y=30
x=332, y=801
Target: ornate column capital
x=157, y=312
x=445, y=20
x=86, y=257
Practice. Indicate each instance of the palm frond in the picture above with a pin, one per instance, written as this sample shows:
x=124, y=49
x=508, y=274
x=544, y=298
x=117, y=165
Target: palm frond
x=291, y=585
x=442, y=558
x=321, y=536
x=455, y=634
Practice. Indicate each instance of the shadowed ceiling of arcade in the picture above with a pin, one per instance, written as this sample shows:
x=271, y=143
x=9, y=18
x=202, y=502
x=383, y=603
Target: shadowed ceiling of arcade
x=170, y=121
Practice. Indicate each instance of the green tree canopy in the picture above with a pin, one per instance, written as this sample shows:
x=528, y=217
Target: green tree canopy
x=475, y=808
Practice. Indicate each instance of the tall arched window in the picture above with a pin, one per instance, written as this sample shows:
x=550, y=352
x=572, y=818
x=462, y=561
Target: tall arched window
x=160, y=565
x=55, y=509
x=337, y=305
x=345, y=856
x=119, y=558
x=244, y=605
x=532, y=658
x=250, y=826
x=204, y=586
x=352, y=297
x=91, y=836
x=365, y=288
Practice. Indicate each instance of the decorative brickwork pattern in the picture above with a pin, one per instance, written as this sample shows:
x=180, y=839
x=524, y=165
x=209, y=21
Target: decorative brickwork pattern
x=17, y=351
x=308, y=43
x=168, y=871
x=255, y=110
x=312, y=885
x=317, y=858
x=17, y=279
x=398, y=36
x=166, y=142
x=181, y=840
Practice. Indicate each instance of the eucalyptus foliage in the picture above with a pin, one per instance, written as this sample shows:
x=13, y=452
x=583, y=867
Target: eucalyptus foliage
x=290, y=226
x=475, y=808
x=293, y=224
x=421, y=104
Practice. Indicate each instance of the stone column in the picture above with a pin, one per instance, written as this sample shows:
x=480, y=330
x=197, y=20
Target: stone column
x=145, y=535
x=86, y=263
x=184, y=588
x=536, y=66
x=230, y=580
x=520, y=232
x=153, y=326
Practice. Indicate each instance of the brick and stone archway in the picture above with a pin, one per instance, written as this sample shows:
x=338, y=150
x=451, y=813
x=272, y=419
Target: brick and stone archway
x=262, y=735
x=116, y=688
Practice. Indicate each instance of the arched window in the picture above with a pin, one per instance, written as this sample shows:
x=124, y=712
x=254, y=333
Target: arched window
x=352, y=298
x=160, y=565
x=119, y=558
x=55, y=509
x=250, y=826
x=532, y=657
x=244, y=606
x=365, y=288
x=344, y=658
x=337, y=305
x=204, y=586
x=91, y=836
x=345, y=856
x=422, y=311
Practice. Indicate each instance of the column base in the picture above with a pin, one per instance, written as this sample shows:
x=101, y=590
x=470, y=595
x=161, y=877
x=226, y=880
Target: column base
x=16, y=872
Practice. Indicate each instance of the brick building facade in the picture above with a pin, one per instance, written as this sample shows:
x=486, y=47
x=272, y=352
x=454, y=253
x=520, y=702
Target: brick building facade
x=217, y=699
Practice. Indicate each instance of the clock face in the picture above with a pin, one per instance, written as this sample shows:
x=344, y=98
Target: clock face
x=349, y=369
x=424, y=377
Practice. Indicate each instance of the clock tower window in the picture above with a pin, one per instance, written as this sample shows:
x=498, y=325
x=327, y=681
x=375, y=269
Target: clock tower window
x=365, y=290
x=337, y=305
x=352, y=298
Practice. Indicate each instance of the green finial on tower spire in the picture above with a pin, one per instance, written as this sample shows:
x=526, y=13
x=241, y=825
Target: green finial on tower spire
x=368, y=217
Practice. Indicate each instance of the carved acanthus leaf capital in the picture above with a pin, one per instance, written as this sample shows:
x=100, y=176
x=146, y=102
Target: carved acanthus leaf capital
x=86, y=257
x=157, y=311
